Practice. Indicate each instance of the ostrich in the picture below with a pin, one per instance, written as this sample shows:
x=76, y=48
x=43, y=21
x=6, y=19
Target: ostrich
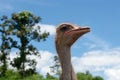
x=66, y=35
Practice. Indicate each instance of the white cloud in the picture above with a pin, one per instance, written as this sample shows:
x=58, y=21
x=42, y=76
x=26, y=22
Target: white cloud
x=105, y=61
x=48, y=28
x=100, y=58
x=45, y=62
x=113, y=74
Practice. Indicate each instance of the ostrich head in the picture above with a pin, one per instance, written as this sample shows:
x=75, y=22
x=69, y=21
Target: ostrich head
x=67, y=34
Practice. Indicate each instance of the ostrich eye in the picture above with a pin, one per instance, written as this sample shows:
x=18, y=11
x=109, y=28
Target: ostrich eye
x=65, y=28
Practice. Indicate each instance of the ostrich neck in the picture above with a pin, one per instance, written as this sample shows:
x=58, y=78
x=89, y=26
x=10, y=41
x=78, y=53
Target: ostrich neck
x=65, y=60
x=64, y=56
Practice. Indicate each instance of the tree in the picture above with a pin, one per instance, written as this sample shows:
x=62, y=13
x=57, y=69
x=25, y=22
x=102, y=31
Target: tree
x=55, y=68
x=97, y=78
x=22, y=30
x=6, y=43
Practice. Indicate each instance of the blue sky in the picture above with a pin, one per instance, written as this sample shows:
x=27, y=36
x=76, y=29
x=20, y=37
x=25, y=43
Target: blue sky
x=102, y=16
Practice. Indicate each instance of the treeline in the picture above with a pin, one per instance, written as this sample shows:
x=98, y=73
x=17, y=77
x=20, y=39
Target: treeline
x=14, y=75
x=17, y=33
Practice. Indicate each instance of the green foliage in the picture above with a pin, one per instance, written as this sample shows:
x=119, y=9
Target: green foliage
x=25, y=18
x=34, y=77
x=84, y=76
x=97, y=78
x=88, y=76
x=10, y=75
x=49, y=77
x=14, y=75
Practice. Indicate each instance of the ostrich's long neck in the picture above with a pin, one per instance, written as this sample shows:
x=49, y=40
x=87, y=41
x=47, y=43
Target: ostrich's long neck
x=65, y=60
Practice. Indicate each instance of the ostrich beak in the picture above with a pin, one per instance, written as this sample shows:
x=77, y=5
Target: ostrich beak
x=78, y=30
x=76, y=33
